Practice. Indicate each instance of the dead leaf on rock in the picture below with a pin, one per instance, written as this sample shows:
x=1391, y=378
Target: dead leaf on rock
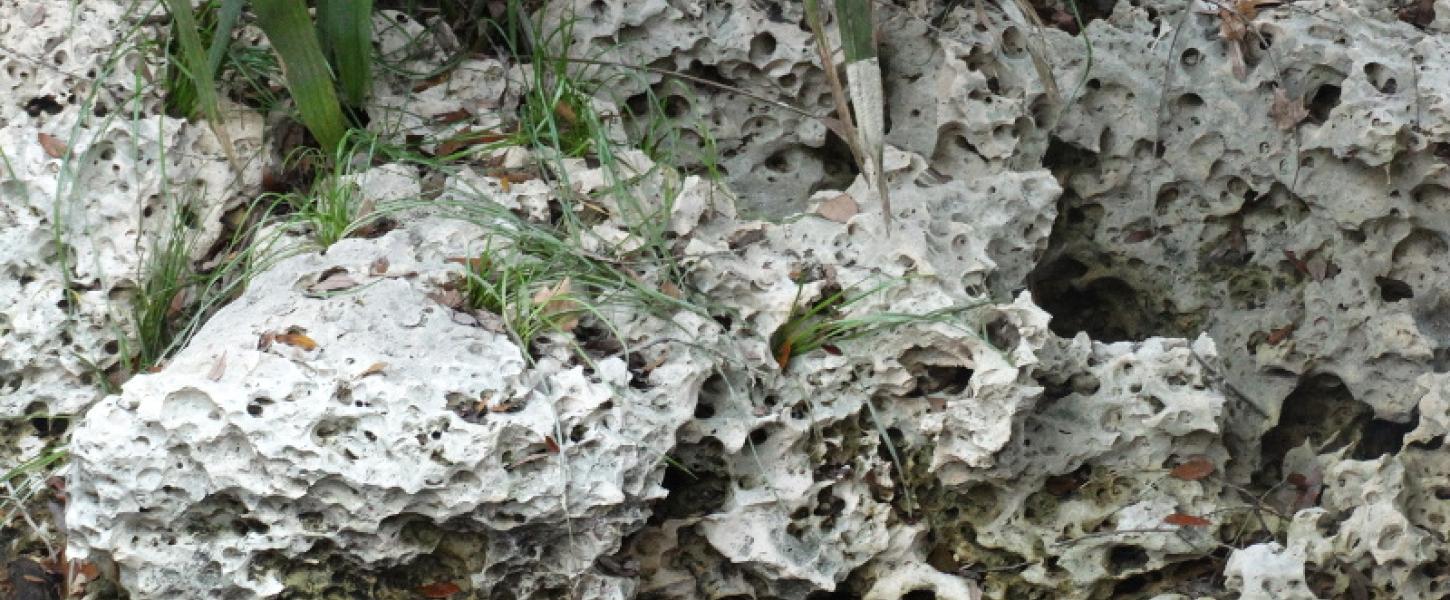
x=1183, y=520
x=559, y=305
x=1279, y=335
x=441, y=589
x=379, y=266
x=670, y=289
x=839, y=209
x=52, y=145
x=218, y=368
x=450, y=298
x=1194, y=469
x=1287, y=113
x=373, y=369
x=333, y=280
x=297, y=337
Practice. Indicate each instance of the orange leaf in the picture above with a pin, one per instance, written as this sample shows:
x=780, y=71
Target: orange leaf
x=1194, y=469
x=1183, y=520
x=52, y=145
x=297, y=339
x=782, y=355
x=441, y=589
x=373, y=369
x=466, y=139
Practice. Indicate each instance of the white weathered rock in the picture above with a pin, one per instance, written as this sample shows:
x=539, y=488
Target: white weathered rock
x=79, y=211
x=252, y=447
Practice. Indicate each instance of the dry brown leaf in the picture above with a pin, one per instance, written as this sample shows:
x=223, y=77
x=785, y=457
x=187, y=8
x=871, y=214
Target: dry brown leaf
x=1194, y=469
x=1287, y=113
x=466, y=139
x=373, y=369
x=839, y=209
x=566, y=112
x=52, y=145
x=218, y=368
x=558, y=306
x=297, y=339
x=178, y=303
x=668, y=288
x=1183, y=520
x=265, y=341
x=334, y=280
x=450, y=298
x=379, y=266
x=441, y=589
x=552, y=445
x=1279, y=335
x=452, y=116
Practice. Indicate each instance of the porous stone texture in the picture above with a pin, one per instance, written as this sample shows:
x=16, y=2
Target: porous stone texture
x=92, y=174
x=1144, y=327
x=374, y=426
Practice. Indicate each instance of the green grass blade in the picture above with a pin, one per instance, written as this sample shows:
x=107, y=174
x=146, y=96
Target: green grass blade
x=346, y=31
x=194, y=63
x=289, y=28
x=854, y=21
x=221, y=37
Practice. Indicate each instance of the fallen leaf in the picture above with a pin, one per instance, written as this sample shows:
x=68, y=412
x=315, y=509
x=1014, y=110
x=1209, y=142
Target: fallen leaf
x=1183, y=520
x=379, y=266
x=467, y=139
x=373, y=369
x=178, y=303
x=477, y=265
x=450, y=298
x=552, y=445
x=831, y=349
x=218, y=368
x=441, y=589
x=1194, y=469
x=505, y=185
x=265, y=340
x=839, y=209
x=333, y=280
x=1286, y=113
x=1133, y=237
x=668, y=288
x=782, y=355
x=558, y=306
x=1279, y=335
x=566, y=112
x=297, y=339
x=431, y=81
x=452, y=116
x=52, y=145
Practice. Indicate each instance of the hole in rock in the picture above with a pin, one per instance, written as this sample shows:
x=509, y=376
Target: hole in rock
x=1394, y=290
x=696, y=480
x=1325, y=98
x=1122, y=559
x=1322, y=411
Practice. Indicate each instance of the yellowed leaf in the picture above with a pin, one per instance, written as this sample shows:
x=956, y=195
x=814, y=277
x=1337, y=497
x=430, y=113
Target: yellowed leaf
x=373, y=369
x=297, y=339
